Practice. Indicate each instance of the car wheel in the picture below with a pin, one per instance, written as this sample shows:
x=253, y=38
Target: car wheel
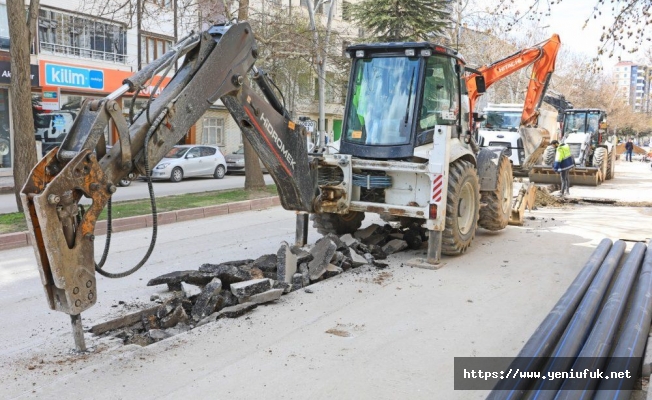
x=219, y=173
x=124, y=182
x=176, y=175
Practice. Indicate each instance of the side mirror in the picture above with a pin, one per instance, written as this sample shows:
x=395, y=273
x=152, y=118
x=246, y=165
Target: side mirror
x=190, y=156
x=478, y=117
x=480, y=84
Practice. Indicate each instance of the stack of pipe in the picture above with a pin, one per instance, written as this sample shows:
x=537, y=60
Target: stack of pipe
x=580, y=332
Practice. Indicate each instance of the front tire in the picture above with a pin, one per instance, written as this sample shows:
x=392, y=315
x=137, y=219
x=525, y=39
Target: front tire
x=339, y=224
x=219, y=173
x=611, y=164
x=549, y=156
x=462, y=208
x=176, y=175
x=495, y=215
x=600, y=161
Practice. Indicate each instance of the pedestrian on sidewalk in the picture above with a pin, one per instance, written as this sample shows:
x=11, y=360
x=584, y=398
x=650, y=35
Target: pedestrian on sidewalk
x=563, y=163
x=629, y=147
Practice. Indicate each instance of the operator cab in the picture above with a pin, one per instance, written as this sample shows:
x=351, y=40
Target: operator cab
x=589, y=120
x=398, y=93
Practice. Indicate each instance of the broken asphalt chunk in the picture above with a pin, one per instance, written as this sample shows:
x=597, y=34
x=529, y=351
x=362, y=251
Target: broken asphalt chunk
x=175, y=317
x=265, y=297
x=228, y=274
x=208, y=300
x=175, y=278
x=286, y=263
x=323, y=252
x=250, y=288
x=394, y=246
x=235, y=311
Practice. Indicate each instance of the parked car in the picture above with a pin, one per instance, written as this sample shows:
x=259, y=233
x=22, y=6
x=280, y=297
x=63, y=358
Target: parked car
x=123, y=182
x=235, y=161
x=185, y=161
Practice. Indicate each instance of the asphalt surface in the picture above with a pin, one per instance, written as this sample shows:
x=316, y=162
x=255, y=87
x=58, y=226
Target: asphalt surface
x=138, y=189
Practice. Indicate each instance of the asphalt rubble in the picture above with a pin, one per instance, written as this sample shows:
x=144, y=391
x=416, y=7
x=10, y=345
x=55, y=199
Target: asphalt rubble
x=232, y=289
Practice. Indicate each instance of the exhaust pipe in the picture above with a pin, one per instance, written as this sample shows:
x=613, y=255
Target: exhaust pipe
x=597, y=346
x=542, y=341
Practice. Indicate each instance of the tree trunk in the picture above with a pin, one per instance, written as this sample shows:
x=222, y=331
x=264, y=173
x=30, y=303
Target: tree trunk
x=253, y=174
x=21, y=95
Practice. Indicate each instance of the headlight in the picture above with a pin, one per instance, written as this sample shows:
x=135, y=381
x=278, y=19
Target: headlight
x=162, y=166
x=240, y=161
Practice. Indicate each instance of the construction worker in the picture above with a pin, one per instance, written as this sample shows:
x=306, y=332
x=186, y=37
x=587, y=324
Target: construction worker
x=629, y=148
x=563, y=163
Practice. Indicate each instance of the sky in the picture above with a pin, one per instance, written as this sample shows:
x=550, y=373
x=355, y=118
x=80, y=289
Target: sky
x=568, y=20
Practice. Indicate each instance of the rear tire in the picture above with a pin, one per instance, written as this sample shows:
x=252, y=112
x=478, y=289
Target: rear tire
x=549, y=156
x=600, y=161
x=339, y=224
x=219, y=173
x=462, y=208
x=611, y=164
x=176, y=175
x=495, y=215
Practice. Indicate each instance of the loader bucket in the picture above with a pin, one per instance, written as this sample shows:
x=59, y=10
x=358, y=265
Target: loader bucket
x=581, y=176
x=535, y=141
x=585, y=176
x=544, y=175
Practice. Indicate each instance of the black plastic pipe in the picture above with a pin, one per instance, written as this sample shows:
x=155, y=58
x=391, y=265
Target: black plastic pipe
x=602, y=337
x=630, y=346
x=579, y=327
x=545, y=337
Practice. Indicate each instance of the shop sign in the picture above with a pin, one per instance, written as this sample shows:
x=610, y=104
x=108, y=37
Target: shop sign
x=82, y=78
x=50, y=98
x=5, y=73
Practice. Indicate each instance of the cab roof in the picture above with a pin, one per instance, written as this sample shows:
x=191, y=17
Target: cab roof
x=397, y=48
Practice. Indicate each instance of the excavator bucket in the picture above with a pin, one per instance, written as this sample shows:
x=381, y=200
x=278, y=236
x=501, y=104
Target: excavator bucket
x=581, y=176
x=535, y=141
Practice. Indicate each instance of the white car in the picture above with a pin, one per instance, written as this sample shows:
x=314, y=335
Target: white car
x=186, y=161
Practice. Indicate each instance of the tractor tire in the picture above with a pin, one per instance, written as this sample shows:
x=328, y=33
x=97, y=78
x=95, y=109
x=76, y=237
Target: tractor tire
x=611, y=164
x=549, y=156
x=462, y=208
x=339, y=224
x=494, y=216
x=600, y=161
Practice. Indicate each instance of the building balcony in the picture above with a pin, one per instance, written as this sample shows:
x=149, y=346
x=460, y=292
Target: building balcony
x=82, y=53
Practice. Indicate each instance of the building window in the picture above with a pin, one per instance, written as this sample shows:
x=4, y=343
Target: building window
x=213, y=131
x=153, y=48
x=77, y=36
x=162, y=3
x=4, y=28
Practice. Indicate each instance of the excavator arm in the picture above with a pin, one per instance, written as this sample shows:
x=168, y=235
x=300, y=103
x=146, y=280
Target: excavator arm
x=542, y=58
x=216, y=66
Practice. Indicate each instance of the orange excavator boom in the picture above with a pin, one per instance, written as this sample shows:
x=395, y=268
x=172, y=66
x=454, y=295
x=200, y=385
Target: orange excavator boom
x=541, y=56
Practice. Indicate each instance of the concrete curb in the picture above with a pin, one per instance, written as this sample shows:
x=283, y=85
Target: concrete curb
x=21, y=239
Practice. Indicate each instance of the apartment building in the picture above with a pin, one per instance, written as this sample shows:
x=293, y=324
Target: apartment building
x=633, y=85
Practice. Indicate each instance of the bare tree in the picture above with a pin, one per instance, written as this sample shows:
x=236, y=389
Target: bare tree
x=21, y=33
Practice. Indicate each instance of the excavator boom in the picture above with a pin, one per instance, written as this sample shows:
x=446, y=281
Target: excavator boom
x=215, y=67
x=542, y=57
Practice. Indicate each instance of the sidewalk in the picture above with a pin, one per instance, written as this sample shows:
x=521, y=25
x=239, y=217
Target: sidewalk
x=20, y=239
x=6, y=184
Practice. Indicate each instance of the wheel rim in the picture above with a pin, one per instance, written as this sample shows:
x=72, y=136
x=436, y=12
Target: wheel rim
x=465, y=211
x=220, y=172
x=177, y=174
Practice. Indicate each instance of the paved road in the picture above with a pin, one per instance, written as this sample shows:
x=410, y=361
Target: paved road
x=138, y=189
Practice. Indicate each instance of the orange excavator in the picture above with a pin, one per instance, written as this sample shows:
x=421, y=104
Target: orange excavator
x=542, y=57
